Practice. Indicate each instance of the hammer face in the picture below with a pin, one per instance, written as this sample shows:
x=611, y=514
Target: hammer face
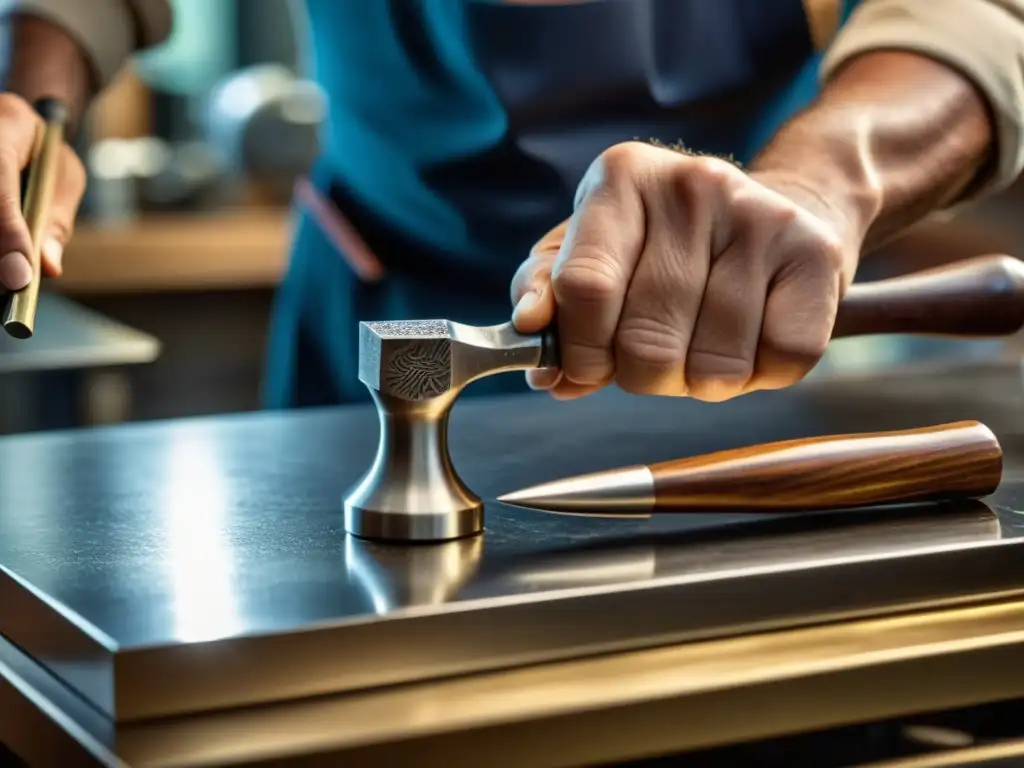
x=410, y=359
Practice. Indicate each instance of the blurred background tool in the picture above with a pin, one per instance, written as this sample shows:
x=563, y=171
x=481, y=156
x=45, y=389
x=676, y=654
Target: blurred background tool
x=949, y=461
x=19, y=317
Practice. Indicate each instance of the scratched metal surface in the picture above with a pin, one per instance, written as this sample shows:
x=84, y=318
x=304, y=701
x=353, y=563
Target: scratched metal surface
x=181, y=566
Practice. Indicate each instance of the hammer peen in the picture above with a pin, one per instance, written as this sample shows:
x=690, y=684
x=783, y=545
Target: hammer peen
x=415, y=369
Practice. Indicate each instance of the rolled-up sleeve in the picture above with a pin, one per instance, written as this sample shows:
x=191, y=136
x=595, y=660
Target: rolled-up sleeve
x=109, y=31
x=982, y=39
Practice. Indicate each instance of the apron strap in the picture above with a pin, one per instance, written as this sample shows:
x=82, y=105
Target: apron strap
x=339, y=231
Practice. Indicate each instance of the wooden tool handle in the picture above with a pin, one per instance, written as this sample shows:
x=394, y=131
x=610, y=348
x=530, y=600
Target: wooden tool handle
x=950, y=461
x=19, y=316
x=983, y=296
x=979, y=297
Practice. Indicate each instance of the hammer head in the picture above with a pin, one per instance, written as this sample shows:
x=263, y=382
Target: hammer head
x=418, y=360
x=407, y=359
x=415, y=370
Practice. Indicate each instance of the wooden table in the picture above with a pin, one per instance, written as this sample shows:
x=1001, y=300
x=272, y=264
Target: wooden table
x=232, y=249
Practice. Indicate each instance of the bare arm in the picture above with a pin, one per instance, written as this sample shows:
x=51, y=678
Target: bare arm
x=72, y=48
x=46, y=61
x=922, y=107
x=69, y=49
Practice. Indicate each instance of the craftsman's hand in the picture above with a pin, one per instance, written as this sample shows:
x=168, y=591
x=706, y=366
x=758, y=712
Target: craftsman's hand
x=683, y=275
x=19, y=124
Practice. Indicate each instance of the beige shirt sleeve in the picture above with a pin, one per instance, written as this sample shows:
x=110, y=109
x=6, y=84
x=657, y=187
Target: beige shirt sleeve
x=108, y=30
x=983, y=39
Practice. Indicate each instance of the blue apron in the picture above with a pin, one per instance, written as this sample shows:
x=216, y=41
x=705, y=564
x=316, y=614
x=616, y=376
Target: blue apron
x=459, y=129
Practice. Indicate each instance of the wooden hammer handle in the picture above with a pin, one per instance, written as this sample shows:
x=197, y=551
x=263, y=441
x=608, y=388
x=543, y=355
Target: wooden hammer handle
x=951, y=461
x=979, y=297
x=983, y=296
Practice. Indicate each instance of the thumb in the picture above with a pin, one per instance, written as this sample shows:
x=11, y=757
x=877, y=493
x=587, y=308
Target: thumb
x=534, y=299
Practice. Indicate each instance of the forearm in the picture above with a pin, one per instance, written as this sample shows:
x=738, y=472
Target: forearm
x=893, y=137
x=47, y=62
x=74, y=48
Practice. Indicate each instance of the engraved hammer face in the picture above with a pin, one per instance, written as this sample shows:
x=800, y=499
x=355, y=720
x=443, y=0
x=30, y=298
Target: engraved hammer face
x=417, y=360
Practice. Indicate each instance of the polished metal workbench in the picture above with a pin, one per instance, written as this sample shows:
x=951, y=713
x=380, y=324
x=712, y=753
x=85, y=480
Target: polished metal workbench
x=71, y=371
x=69, y=336
x=184, y=594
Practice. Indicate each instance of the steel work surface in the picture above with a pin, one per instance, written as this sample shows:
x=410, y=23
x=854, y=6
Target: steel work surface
x=69, y=336
x=184, y=566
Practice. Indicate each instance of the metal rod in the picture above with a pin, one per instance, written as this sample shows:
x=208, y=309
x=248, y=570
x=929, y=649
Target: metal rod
x=19, y=315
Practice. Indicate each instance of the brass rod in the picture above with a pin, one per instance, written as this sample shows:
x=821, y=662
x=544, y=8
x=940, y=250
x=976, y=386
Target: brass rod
x=19, y=315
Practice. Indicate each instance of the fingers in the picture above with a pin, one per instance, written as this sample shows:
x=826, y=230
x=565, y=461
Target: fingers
x=566, y=390
x=18, y=128
x=603, y=243
x=19, y=125
x=533, y=299
x=679, y=275
x=665, y=294
x=723, y=350
x=799, y=314
x=67, y=197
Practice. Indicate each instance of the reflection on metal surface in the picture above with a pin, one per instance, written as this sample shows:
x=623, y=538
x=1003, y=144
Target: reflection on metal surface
x=618, y=565
x=611, y=708
x=720, y=554
x=564, y=602
x=936, y=736
x=1007, y=754
x=406, y=577
x=627, y=492
x=70, y=336
x=123, y=554
x=415, y=370
x=199, y=559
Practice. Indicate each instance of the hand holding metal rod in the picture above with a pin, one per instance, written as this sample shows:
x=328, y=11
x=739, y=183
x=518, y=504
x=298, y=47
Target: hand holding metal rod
x=19, y=314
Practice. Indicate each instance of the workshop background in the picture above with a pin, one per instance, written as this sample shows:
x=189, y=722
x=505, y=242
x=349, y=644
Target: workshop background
x=183, y=235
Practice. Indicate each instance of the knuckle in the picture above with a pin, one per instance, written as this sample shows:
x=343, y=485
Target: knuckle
x=746, y=208
x=715, y=364
x=688, y=187
x=791, y=349
x=714, y=170
x=783, y=216
x=10, y=209
x=14, y=106
x=650, y=341
x=550, y=243
x=61, y=229
x=10, y=163
x=618, y=160
x=589, y=275
x=830, y=252
x=532, y=269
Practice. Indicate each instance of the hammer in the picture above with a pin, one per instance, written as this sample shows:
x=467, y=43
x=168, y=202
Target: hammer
x=415, y=370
